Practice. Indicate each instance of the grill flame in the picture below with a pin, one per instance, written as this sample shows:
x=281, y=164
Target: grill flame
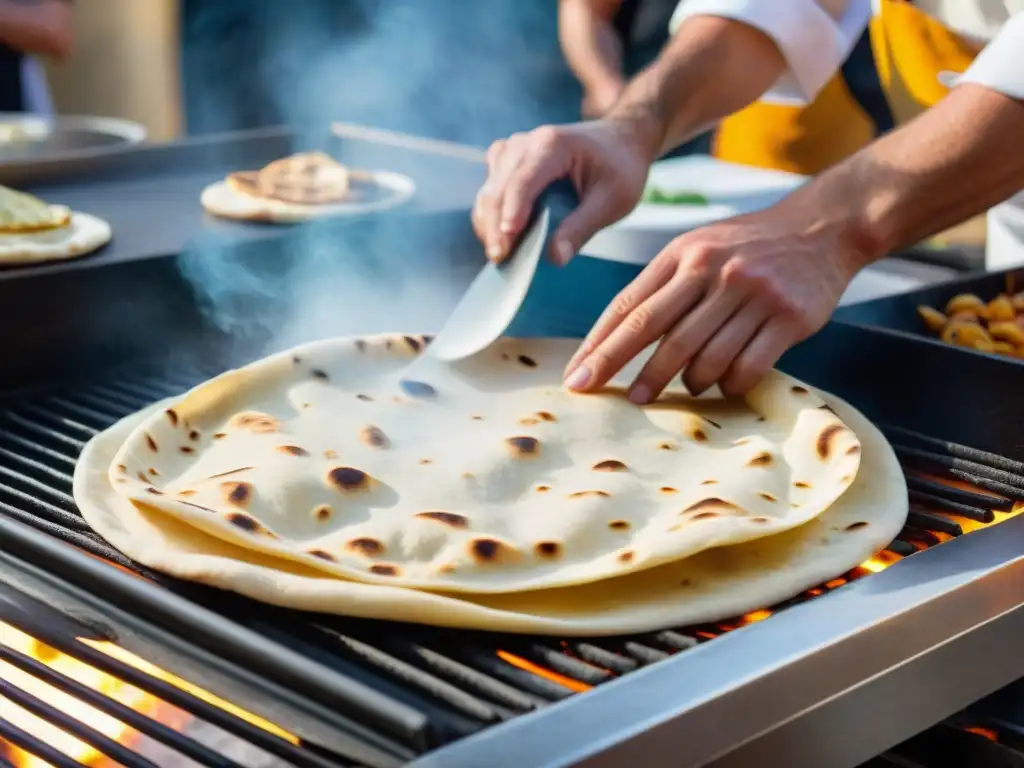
x=109, y=685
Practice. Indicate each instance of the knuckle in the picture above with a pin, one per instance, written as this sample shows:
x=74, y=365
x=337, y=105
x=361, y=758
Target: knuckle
x=546, y=137
x=622, y=305
x=640, y=320
x=699, y=255
x=495, y=150
x=674, y=351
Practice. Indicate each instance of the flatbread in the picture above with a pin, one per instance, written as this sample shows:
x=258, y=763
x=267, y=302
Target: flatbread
x=84, y=234
x=483, y=476
x=712, y=586
x=239, y=197
x=21, y=212
x=308, y=178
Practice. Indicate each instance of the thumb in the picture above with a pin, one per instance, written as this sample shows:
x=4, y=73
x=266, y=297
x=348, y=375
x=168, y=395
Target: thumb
x=595, y=212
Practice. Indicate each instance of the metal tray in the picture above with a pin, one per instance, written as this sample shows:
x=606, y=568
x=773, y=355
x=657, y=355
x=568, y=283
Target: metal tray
x=150, y=194
x=79, y=140
x=897, y=315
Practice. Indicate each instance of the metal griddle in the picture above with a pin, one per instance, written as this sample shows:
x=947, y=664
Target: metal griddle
x=79, y=141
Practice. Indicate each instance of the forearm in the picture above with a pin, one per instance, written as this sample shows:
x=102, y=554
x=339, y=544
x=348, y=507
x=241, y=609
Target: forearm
x=37, y=26
x=954, y=161
x=592, y=49
x=711, y=68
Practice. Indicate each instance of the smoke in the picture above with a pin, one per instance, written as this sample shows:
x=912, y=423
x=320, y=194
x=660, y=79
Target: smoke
x=461, y=70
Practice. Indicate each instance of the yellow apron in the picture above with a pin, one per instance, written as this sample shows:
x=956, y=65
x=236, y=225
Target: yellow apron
x=909, y=48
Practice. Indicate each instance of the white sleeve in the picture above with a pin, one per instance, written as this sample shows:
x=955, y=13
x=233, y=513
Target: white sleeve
x=815, y=36
x=1001, y=65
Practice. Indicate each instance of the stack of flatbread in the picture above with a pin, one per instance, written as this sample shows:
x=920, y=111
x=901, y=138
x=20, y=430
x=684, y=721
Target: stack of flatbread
x=33, y=231
x=337, y=478
x=305, y=186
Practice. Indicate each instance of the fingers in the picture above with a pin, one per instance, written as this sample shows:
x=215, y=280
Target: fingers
x=684, y=341
x=595, y=211
x=653, y=277
x=502, y=157
x=712, y=362
x=759, y=356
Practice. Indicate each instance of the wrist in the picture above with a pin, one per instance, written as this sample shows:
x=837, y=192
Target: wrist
x=643, y=128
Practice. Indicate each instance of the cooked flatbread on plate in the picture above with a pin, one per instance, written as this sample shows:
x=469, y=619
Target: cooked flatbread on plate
x=32, y=230
x=713, y=585
x=304, y=186
x=484, y=476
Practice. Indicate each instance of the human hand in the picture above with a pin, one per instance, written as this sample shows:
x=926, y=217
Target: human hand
x=597, y=100
x=725, y=301
x=607, y=161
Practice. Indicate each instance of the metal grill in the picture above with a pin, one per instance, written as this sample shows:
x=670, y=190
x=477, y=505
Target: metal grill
x=416, y=688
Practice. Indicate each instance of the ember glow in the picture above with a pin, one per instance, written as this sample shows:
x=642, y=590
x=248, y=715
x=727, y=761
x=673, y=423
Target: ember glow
x=878, y=563
x=108, y=685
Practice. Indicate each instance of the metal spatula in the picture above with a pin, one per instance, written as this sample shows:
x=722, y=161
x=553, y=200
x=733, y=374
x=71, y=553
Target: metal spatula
x=491, y=302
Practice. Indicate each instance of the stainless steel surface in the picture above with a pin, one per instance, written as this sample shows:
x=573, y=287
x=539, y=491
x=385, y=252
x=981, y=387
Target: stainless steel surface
x=832, y=682
x=493, y=299
x=150, y=194
x=30, y=139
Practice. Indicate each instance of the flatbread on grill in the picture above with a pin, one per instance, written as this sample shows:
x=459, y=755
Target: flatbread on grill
x=304, y=186
x=714, y=585
x=485, y=476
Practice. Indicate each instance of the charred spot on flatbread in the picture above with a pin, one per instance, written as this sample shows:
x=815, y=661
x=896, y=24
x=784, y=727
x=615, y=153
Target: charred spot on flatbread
x=619, y=525
x=360, y=345
x=767, y=496
x=385, y=569
x=823, y=445
x=589, y=494
x=760, y=520
x=451, y=519
x=373, y=437
x=486, y=551
x=699, y=435
x=626, y=557
x=142, y=476
x=364, y=398
x=254, y=421
x=543, y=488
x=413, y=343
x=417, y=389
x=194, y=435
x=365, y=545
x=610, y=465
x=154, y=491
x=219, y=435
x=528, y=361
x=668, y=489
x=322, y=554
x=763, y=459
x=349, y=479
x=187, y=449
x=709, y=481
x=853, y=450
x=856, y=526
x=549, y=550
x=329, y=454
x=247, y=523
x=199, y=506
x=151, y=443
x=713, y=505
x=523, y=447
x=801, y=484
x=666, y=446
x=172, y=416
x=323, y=512
x=292, y=450
x=238, y=494
x=796, y=389
x=318, y=373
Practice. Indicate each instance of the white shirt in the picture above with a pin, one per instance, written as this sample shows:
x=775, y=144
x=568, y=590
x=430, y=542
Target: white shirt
x=816, y=36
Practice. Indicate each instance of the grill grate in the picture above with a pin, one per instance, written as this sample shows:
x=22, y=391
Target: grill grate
x=460, y=681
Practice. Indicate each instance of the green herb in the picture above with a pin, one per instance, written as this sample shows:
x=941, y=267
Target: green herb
x=659, y=196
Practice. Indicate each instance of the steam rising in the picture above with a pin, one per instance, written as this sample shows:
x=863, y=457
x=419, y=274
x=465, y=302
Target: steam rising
x=461, y=70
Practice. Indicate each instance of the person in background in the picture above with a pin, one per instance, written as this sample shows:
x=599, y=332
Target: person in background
x=724, y=302
x=30, y=28
x=607, y=42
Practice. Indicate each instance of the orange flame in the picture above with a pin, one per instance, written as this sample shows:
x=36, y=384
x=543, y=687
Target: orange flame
x=108, y=685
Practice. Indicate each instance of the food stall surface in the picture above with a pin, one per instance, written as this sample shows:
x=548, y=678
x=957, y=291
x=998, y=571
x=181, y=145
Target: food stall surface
x=834, y=677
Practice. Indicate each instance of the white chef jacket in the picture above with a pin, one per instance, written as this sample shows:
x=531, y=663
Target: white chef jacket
x=816, y=36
